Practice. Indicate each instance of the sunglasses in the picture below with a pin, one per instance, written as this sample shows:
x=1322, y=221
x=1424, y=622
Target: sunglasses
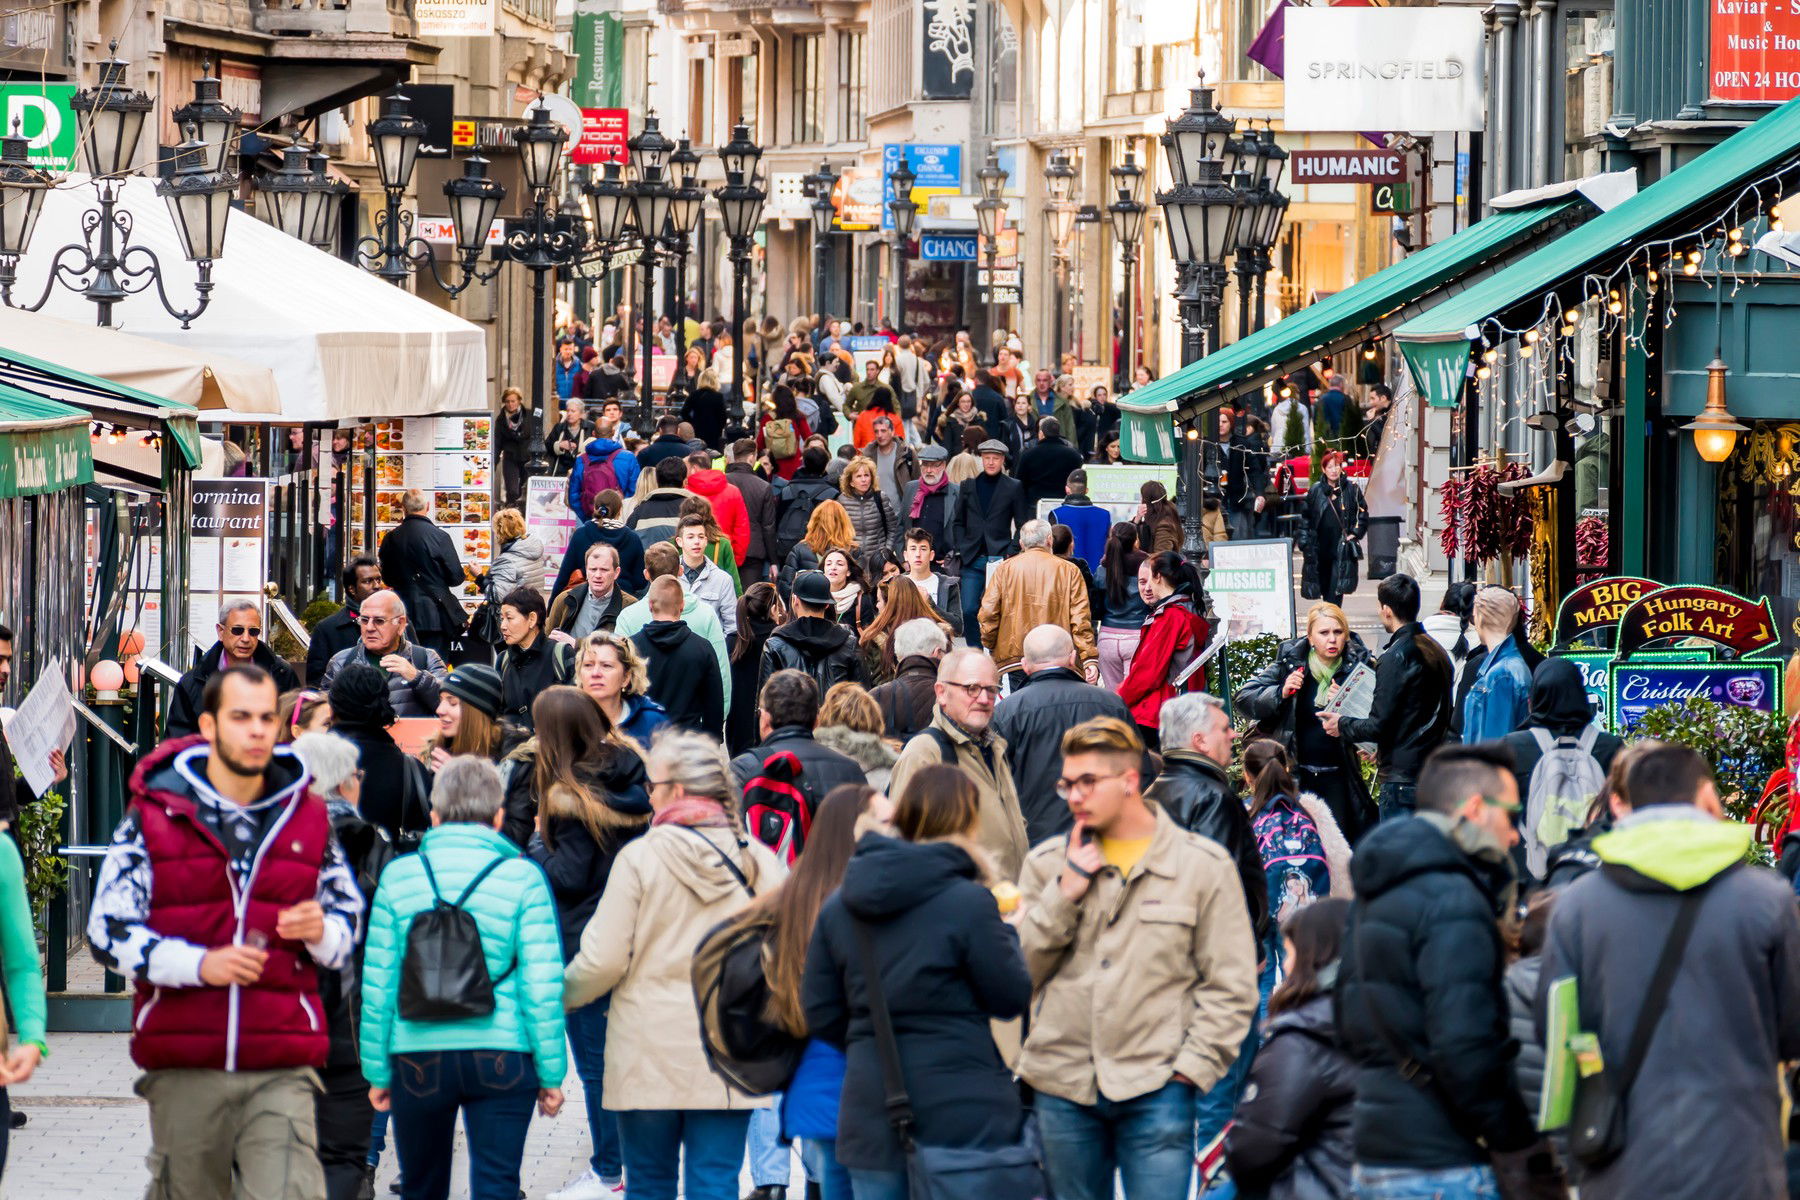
x=254, y=631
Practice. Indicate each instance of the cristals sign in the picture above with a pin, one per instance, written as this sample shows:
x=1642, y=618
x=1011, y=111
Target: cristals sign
x=1701, y=613
x=1755, y=50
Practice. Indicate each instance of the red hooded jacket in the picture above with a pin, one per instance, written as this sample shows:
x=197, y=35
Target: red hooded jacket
x=728, y=508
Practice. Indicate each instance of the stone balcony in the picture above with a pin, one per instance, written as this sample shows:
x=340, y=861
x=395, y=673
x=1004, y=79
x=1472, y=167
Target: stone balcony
x=333, y=18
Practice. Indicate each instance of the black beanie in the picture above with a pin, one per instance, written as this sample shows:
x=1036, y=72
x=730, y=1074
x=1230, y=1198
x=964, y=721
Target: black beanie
x=479, y=686
x=359, y=696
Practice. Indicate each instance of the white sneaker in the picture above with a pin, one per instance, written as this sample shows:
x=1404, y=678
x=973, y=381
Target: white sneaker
x=589, y=1186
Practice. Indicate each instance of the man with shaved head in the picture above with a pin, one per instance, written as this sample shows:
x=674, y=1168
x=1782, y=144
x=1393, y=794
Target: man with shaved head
x=1032, y=720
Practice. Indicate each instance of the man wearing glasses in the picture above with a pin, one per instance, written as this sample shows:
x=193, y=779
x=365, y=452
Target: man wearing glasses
x=961, y=735
x=1143, y=968
x=240, y=644
x=415, y=673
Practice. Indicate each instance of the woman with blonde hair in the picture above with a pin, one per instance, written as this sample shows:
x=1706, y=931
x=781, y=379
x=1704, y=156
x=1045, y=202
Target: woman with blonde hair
x=665, y=891
x=518, y=558
x=850, y=722
x=898, y=899
x=1284, y=699
x=900, y=600
x=614, y=675
x=828, y=529
x=871, y=514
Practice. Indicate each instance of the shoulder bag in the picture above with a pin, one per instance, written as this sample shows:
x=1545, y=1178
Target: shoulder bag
x=1012, y=1172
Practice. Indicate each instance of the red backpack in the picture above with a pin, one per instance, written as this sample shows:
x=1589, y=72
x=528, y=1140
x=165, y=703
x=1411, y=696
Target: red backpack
x=597, y=475
x=776, y=811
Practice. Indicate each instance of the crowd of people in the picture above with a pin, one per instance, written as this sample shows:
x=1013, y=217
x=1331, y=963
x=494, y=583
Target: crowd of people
x=860, y=811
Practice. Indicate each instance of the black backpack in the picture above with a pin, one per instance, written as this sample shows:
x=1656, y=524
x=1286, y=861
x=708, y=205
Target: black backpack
x=444, y=974
x=790, y=525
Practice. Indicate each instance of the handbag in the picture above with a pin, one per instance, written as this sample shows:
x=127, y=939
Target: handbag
x=1597, y=1124
x=485, y=623
x=1014, y=1172
x=1346, y=572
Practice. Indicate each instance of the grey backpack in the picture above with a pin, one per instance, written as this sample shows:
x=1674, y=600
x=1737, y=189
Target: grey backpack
x=1563, y=786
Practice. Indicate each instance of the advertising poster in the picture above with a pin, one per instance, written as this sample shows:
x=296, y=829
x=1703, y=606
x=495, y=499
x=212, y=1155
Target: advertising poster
x=449, y=459
x=549, y=519
x=1252, y=587
x=230, y=551
x=1114, y=486
x=1755, y=51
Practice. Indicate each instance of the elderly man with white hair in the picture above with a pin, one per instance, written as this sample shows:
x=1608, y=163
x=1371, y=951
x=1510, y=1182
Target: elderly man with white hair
x=1033, y=719
x=415, y=673
x=1500, y=697
x=241, y=644
x=1036, y=588
x=906, y=703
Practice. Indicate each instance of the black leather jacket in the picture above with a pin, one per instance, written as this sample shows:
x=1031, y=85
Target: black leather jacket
x=1261, y=700
x=1290, y=1137
x=1195, y=791
x=1411, y=714
x=822, y=648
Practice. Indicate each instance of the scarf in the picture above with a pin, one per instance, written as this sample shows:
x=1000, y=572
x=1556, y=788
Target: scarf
x=1322, y=669
x=696, y=812
x=925, y=492
x=1485, y=849
x=846, y=597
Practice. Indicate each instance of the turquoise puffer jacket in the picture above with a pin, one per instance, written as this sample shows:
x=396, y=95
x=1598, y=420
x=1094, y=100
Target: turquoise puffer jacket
x=517, y=918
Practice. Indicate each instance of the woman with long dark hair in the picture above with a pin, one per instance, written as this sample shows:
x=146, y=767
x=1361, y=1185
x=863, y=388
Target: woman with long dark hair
x=1123, y=622
x=899, y=600
x=1174, y=633
x=1291, y=1135
x=592, y=799
x=853, y=601
x=1303, y=848
x=759, y=611
x=784, y=408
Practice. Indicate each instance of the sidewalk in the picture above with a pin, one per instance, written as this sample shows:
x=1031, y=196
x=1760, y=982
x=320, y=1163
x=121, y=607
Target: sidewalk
x=88, y=1134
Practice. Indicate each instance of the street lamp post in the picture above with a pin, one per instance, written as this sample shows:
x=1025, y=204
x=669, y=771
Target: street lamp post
x=684, y=214
x=1127, y=214
x=1059, y=186
x=740, y=211
x=822, y=182
x=904, y=214
x=990, y=213
x=651, y=201
x=105, y=266
x=545, y=240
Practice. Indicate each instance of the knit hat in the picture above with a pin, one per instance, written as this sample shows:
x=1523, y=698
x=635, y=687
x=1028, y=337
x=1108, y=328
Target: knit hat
x=811, y=587
x=477, y=685
x=359, y=696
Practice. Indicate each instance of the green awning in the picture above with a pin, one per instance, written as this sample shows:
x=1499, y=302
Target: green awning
x=1146, y=438
x=1681, y=201
x=103, y=400
x=43, y=445
x=1369, y=308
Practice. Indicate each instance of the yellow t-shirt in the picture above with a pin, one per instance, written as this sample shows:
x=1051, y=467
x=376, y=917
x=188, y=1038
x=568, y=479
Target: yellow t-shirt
x=1123, y=853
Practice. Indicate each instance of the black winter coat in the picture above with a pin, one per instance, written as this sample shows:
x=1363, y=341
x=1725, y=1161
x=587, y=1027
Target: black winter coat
x=513, y=441
x=819, y=646
x=908, y=701
x=1421, y=971
x=575, y=861
x=367, y=851
x=795, y=500
x=524, y=674
x=821, y=767
x=1275, y=715
x=185, y=701
x=1044, y=470
x=419, y=563
x=704, y=409
x=1332, y=515
x=1195, y=791
x=337, y=632
x=385, y=799
x=1411, y=714
x=1290, y=1137
x=684, y=675
x=990, y=530
x=948, y=966
x=1033, y=720
x=759, y=505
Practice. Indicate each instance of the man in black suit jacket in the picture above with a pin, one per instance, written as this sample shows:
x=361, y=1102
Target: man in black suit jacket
x=1044, y=469
x=988, y=512
x=339, y=631
x=420, y=565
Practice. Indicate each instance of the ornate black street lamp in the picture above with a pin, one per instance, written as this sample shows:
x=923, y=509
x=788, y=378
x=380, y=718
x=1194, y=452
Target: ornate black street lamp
x=545, y=239
x=740, y=211
x=1127, y=215
x=1059, y=186
x=990, y=212
x=904, y=215
x=104, y=266
x=652, y=199
x=684, y=215
x=821, y=184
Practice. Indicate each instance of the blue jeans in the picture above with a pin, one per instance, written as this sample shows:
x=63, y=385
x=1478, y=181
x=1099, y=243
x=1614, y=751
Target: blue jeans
x=658, y=1140
x=494, y=1089
x=587, y=1046
x=1397, y=800
x=824, y=1169
x=771, y=1161
x=974, y=582
x=377, y=1138
x=879, y=1185
x=1444, y=1183
x=1148, y=1140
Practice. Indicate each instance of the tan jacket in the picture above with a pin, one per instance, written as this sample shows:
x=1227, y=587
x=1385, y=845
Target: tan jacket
x=1002, y=823
x=1147, y=977
x=1034, y=588
x=666, y=889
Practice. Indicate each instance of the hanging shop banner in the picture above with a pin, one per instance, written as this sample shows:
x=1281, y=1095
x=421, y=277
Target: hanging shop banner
x=455, y=18
x=599, y=60
x=1695, y=613
x=549, y=518
x=1346, y=166
x=947, y=64
x=1438, y=368
x=1595, y=608
x=604, y=132
x=937, y=171
x=1352, y=69
x=1146, y=438
x=1635, y=688
x=230, y=551
x=40, y=113
x=35, y=461
x=948, y=247
x=1252, y=587
x=1755, y=51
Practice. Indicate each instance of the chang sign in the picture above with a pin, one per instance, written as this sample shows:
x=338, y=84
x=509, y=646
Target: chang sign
x=1388, y=70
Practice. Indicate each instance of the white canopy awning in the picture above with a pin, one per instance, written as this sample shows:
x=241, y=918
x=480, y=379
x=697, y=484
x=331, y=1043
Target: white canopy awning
x=207, y=380
x=341, y=343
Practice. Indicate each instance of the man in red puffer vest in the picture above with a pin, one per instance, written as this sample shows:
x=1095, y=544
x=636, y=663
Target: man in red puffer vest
x=221, y=897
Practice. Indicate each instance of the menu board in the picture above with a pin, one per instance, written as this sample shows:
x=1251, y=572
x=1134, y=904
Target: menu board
x=451, y=460
x=229, y=551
